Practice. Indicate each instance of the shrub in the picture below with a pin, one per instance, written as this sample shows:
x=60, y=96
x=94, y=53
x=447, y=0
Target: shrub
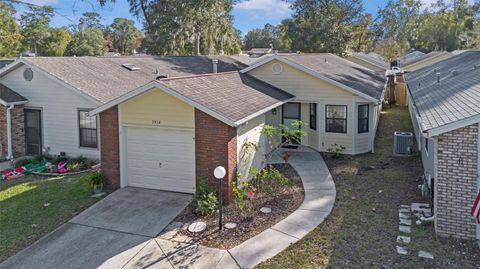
x=95, y=179
x=24, y=162
x=268, y=179
x=58, y=159
x=205, y=198
x=336, y=150
x=242, y=191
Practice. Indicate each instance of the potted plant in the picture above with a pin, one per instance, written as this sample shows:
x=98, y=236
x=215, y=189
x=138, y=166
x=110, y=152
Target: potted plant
x=96, y=181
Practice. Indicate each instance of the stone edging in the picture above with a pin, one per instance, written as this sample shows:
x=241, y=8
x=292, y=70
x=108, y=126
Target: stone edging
x=64, y=174
x=319, y=199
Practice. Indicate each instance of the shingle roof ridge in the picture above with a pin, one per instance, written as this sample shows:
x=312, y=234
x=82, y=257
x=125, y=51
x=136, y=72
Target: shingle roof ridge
x=199, y=75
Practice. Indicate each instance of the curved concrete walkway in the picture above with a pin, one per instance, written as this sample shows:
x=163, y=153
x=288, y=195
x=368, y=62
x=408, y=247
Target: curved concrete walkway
x=319, y=200
x=320, y=193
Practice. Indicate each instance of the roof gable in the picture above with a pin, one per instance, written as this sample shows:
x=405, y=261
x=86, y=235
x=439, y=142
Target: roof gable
x=9, y=96
x=335, y=70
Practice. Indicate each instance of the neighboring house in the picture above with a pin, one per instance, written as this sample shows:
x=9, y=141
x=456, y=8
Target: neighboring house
x=445, y=111
x=5, y=61
x=338, y=100
x=369, y=61
x=425, y=60
x=256, y=52
x=60, y=91
x=409, y=57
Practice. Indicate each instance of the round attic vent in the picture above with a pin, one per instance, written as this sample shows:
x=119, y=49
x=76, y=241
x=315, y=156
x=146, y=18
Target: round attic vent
x=28, y=74
x=277, y=68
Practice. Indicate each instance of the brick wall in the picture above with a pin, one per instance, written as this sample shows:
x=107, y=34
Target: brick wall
x=18, y=132
x=110, y=151
x=456, y=182
x=215, y=145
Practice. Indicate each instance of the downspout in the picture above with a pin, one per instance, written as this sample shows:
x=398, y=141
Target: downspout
x=9, y=132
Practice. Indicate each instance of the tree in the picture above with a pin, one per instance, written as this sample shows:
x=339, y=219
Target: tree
x=389, y=49
x=399, y=20
x=88, y=42
x=10, y=37
x=56, y=43
x=361, y=35
x=324, y=25
x=90, y=20
x=125, y=36
x=35, y=26
x=270, y=35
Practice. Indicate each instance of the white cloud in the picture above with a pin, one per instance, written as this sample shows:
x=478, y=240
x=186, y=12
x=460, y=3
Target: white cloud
x=42, y=2
x=268, y=8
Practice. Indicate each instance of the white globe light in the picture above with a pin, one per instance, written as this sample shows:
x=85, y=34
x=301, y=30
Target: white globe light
x=219, y=172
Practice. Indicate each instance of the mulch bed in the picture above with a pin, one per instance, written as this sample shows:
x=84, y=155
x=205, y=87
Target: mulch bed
x=282, y=203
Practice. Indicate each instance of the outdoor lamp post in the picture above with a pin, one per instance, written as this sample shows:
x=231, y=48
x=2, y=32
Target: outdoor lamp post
x=220, y=173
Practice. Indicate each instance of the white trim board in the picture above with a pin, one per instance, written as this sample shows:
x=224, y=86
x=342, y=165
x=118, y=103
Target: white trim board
x=310, y=72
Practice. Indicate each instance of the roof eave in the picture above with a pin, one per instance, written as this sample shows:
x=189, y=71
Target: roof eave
x=261, y=112
x=4, y=103
x=452, y=126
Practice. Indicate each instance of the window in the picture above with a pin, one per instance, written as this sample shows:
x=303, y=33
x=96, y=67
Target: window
x=313, y=116
x=362, y=119
x=336, y=119
x=426, y=144
x=88, y=129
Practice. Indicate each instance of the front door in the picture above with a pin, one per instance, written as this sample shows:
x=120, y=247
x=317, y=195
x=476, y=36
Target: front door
x=290, y=113
x=33, y=131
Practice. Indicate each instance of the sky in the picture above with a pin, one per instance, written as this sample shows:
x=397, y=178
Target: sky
x=248, y=14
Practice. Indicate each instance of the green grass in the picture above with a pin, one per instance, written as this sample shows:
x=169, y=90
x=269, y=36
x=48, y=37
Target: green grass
x=356, y=236
x=23, y=216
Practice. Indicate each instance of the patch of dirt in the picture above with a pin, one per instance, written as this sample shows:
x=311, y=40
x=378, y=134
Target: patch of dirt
x=282, y=203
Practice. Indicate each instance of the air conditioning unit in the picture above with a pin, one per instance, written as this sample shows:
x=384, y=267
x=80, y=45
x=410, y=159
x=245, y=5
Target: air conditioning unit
x=403, y=143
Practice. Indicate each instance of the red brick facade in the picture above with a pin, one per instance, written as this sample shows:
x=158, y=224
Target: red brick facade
x=18, y=132
x=215, y=145
x=110, y=151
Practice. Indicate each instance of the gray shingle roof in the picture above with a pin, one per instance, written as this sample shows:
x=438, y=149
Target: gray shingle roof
x=427, y=56
x=455, y=98
x=371, y=59
x=233, y=95
x=104, y=78
x=7, y=95
x=342, y=71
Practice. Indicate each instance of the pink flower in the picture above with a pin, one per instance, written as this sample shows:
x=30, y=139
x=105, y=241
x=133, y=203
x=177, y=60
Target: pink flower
x=250, y=194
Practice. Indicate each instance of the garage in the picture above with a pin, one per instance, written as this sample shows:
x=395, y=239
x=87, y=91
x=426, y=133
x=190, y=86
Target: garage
x=160, y=158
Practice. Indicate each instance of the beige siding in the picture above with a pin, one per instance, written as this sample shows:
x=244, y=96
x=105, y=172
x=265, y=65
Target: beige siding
x=157, y=108
x=426, y=62
x=59, y=105
x=366, y=64
x=251, y=146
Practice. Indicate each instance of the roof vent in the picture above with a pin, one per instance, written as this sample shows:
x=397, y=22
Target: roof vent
x=438, y=77
x=215, y=65
x=326, y=60
x=131, y=67
x=476, y=66
x=454, y=73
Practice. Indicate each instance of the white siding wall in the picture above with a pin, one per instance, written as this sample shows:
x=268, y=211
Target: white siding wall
x=248, y=156
x=59, y=111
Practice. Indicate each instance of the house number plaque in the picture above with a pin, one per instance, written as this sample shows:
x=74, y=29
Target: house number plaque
x=156, y=122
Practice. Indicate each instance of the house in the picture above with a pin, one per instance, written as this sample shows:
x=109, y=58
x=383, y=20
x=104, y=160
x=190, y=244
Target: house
x=409, y=57
x=416, y=63
x=445, y=111
x=257, y=52
x=339, y=101
x=55, y=94
x=369, y=61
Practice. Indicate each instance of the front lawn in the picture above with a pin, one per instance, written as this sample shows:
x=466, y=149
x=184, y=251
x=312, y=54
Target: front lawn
x=34, y=206
x=362, y=229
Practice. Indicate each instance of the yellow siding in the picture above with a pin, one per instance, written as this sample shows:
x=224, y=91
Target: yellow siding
x=304, y=86
x=251, y=147
x=366, y=64
x=157, y=108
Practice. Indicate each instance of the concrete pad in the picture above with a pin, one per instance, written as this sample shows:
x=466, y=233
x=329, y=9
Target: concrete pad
x=402, y=250
x=404, y=215
x=306, y=219
x=406, y=222
x=403, y=239
x=183, y=255
x=261, y=247
x=151, y=256
x=135, y=210
x=227, y=262
x=405, y=229
x=77, y=246
x=321, y=200
x=424, y=254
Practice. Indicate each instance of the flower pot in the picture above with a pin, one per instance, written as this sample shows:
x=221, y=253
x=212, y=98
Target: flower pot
x=98, y=188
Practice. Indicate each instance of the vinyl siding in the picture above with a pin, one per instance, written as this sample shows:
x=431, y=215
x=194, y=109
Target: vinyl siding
x=427, y=62
x=157, y=108
x=250, y=134
x=309, y=89
x=59, y=107
x=366, y=64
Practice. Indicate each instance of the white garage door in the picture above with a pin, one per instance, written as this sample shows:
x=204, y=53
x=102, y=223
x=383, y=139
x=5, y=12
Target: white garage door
x=161, y=159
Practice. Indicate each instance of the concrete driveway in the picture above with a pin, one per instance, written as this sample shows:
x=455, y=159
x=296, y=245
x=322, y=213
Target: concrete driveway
x=107, y=235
